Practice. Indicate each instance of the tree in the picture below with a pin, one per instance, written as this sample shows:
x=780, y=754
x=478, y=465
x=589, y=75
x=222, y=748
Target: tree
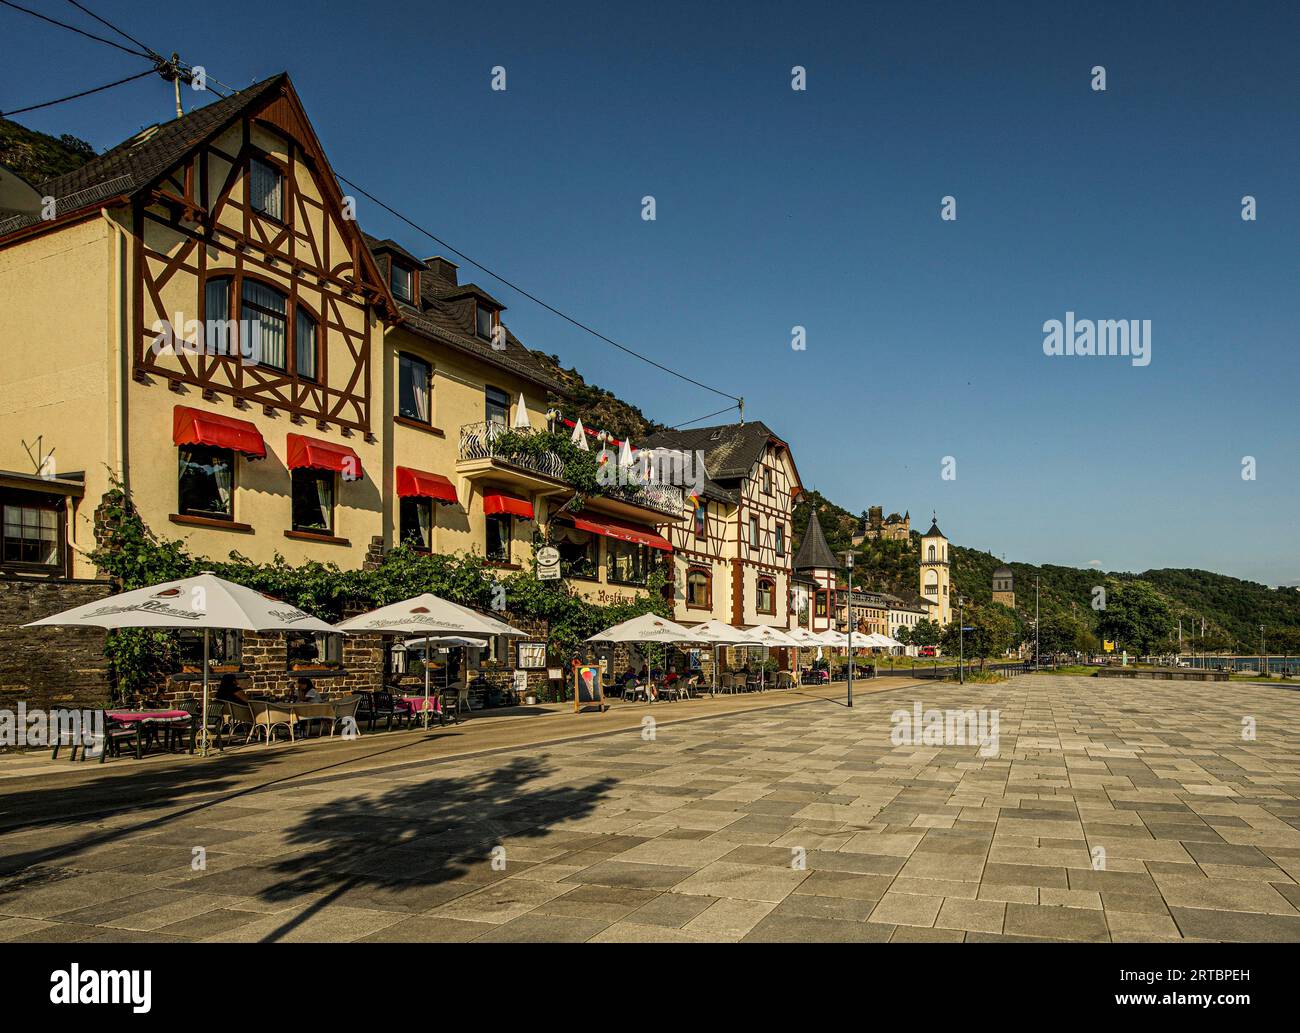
x=1135, y=617
x=926, y=633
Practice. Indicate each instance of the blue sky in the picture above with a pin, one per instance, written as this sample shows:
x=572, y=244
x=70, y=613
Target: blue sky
x=778, y=208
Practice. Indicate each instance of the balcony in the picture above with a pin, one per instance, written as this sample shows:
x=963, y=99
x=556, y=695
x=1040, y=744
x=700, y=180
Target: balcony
x=479, y=455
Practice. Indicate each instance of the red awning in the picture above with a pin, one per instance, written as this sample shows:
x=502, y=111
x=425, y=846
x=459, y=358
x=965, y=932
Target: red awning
x=314, y=454
x=426, y=485
x=197, y=427
x=500, y=502
x=623, y=531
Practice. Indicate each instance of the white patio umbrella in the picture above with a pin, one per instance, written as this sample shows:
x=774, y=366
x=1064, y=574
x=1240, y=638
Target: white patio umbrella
x=716, y=633
x=767, y=636
x=202, y=602
x=434, y=640
x=806, y=640
x=521, y=415
x=579, y=436
x=648, y=627
x=426, y=616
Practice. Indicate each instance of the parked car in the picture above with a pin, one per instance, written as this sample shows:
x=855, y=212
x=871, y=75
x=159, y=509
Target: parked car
x=928, y=651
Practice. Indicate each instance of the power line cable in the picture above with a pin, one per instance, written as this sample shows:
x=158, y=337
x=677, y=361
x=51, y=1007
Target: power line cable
x=532, y=297
x=74, y=96
x=125, y=35
x=73, y=28
x=701, y=419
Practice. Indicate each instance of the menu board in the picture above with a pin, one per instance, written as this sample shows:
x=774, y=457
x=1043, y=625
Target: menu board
x=587, y=690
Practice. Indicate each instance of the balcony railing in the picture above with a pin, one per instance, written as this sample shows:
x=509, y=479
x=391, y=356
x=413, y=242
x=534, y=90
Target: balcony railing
x=479, y=441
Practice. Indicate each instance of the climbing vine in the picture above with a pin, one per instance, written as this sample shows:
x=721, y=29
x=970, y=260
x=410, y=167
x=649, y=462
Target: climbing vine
x=133, y=556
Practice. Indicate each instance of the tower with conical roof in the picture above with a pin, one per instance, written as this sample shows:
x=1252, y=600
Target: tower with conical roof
x=936, y=574
x=815, y=560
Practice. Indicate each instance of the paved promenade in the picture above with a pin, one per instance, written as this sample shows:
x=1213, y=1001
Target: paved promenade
x=1110, y=811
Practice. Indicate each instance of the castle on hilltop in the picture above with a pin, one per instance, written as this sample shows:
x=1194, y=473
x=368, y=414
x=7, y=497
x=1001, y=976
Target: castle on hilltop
x=878, y=526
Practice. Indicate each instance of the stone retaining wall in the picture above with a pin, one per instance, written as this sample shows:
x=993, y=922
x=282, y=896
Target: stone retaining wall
x=50, y=667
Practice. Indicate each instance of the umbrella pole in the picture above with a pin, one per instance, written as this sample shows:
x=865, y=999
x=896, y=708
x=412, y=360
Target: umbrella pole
x=426, y=684
x=714, y=691
x=203, y=731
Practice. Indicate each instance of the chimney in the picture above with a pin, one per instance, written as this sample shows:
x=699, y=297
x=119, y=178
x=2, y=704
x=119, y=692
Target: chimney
x=443, y=269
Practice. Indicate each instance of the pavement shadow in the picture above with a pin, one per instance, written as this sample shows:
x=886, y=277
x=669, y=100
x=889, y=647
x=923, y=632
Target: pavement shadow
x=401, y=849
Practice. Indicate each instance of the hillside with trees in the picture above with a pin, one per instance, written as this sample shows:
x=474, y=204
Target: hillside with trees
x=38, y=156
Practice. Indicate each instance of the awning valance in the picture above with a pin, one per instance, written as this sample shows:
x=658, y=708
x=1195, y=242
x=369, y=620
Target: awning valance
x=314, y=454
x=425, y=485
x=501, y=502
x=622, y=530
x=196, y=427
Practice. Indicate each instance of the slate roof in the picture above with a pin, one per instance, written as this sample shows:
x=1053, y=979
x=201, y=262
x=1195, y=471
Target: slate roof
x=139, y=161
x=1004, y=571
x=730, y=452
x=814, y=551
x=934, y=531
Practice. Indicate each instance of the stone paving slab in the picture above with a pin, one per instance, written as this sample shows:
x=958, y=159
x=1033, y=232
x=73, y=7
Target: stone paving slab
x=1110, y=811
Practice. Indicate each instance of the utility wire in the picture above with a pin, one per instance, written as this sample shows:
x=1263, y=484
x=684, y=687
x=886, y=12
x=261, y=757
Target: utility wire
x=125, y=35
x=73, y=28
x=701, y=419
x=532, y=297
x=74, y=96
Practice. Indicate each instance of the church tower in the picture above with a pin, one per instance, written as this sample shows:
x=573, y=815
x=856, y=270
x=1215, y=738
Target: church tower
x=1004, y=586
x=936, y=574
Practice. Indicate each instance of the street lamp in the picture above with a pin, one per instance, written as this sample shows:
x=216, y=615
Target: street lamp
x=1036, y=653
x=1263, y=654
x=848, y=562
x=961, y=639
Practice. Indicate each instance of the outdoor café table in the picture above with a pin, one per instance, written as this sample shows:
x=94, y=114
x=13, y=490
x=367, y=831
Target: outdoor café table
x=149, y=719
x=309, y=711
x=418, y=705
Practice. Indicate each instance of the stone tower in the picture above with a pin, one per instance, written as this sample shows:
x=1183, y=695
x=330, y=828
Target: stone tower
x=936, y=574
x=1004, y=586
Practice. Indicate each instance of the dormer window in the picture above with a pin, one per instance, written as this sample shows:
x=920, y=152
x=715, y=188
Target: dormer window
x=266, y=188
x=485, y=323
x=401, y=281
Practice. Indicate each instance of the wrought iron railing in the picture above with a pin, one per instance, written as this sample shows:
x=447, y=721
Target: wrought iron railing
x=479, y=441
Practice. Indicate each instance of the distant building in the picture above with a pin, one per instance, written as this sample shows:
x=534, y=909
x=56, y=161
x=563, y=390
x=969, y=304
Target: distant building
x=936, y=574
x=904, y=613
x=878, y=526
x=1004, y=586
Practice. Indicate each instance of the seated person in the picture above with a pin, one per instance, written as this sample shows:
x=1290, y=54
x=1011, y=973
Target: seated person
x=305, y=692
x=228, y=690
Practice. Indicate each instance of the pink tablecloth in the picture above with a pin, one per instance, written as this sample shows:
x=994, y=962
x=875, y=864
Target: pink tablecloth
x=417, y=702
x=127, y=716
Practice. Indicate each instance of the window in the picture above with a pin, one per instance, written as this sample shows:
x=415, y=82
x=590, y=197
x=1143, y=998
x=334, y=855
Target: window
x=266, y=188
x=753, y=532
x=497, y=406
x=766, y=595
x=579, y=552
x=416, y=521
x=497, y=547
x=413, y=379
x=225, y=649
x=780, y=539
x=205, y=482
x=304, y=354
x=628, y=562
x=699, y=588
x=931, y=556
x=701, y=520
x=264, y=308
x=312, y=650
x=767, y=480
x=313, y=501
x=484, y=321
x=820, y=605
x=216, y=316
x=401, y=281
x=31, y=534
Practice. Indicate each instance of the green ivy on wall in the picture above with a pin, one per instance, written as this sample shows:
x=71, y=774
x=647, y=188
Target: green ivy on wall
x=133, y=556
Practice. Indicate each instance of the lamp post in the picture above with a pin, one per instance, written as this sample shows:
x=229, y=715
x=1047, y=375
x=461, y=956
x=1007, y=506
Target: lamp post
x=848, y=562
x=1263, y=655
x=1036, y=653
x=961, y=639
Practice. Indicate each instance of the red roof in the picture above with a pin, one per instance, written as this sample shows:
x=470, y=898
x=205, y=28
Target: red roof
x=314, y=454
x=500, y=502
x=198, y=427
x=426, y=485
x=622, y=530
